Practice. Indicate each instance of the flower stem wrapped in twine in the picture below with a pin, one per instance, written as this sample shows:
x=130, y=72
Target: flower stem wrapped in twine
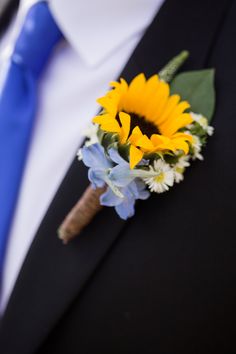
x=81, y=214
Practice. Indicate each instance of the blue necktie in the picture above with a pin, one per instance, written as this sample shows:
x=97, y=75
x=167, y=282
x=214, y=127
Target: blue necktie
x=18, y=105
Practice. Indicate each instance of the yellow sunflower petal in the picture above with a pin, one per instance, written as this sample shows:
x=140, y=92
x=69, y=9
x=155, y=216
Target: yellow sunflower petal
x=101, y=118
x=185, y=136
x=180, y=108
x=107, y=123
x=104, y=102
x=149, y=90
x=121, y=86
x=132, y=99
x=161, y=143
x=172, y=126
x=125, y=126
x=152, y=83
x=170, y=106
x=110, y=105
x=145, y=143
x=180, y=144
x=137, y=83
x=158, y=139
x=136, y=156
x=159, y=100
x=135, y=135
x=115, y=84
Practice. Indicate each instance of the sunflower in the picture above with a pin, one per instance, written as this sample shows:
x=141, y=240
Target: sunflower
x=145, y=116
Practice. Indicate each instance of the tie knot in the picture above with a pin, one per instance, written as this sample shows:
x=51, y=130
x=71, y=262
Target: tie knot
x=37, y=38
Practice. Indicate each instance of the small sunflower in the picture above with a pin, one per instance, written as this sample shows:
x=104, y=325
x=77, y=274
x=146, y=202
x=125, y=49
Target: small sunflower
x=145, y=116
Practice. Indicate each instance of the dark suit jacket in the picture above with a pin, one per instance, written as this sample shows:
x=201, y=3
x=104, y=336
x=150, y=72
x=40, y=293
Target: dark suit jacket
x=164, y=281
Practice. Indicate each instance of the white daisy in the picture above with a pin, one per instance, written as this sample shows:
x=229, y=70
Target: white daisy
x=91, y=134
x=163, y=180
x=203, y=122
x=80, y=155
x=180, y=167
x=197, y=147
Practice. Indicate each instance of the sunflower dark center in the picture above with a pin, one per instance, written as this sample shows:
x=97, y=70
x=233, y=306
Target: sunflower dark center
x=146, y=127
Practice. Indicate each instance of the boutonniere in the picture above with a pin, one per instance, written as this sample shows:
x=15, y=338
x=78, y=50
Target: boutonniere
x=147, y=134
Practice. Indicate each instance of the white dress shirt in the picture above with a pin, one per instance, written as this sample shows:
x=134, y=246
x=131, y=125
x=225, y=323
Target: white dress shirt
x=101, y=36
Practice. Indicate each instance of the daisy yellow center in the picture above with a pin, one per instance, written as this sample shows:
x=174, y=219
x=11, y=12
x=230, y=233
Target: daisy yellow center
x=179, y=170
x=146, y=117
x=203, y=121
x=160, y=178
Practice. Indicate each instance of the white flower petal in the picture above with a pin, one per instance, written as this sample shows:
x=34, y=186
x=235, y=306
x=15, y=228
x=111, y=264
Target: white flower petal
x=163, y=180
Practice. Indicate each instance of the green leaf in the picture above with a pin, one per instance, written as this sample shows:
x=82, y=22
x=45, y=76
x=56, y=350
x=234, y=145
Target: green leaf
x=197, y=87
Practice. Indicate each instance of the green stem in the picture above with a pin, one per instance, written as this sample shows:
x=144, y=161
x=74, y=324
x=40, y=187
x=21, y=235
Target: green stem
x=170, y=69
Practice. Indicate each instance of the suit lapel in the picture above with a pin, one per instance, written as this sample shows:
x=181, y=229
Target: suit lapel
x=53, y=275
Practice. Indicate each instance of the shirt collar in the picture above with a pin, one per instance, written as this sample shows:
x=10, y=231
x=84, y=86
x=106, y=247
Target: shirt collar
x=95, y=29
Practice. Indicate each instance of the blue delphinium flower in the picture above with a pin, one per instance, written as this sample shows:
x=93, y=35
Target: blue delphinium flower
x=125, y=206
x=124, y=188
x=121, y=174
x=99, y=165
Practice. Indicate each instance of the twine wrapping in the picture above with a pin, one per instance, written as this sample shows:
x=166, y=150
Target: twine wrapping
x=81, y=214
